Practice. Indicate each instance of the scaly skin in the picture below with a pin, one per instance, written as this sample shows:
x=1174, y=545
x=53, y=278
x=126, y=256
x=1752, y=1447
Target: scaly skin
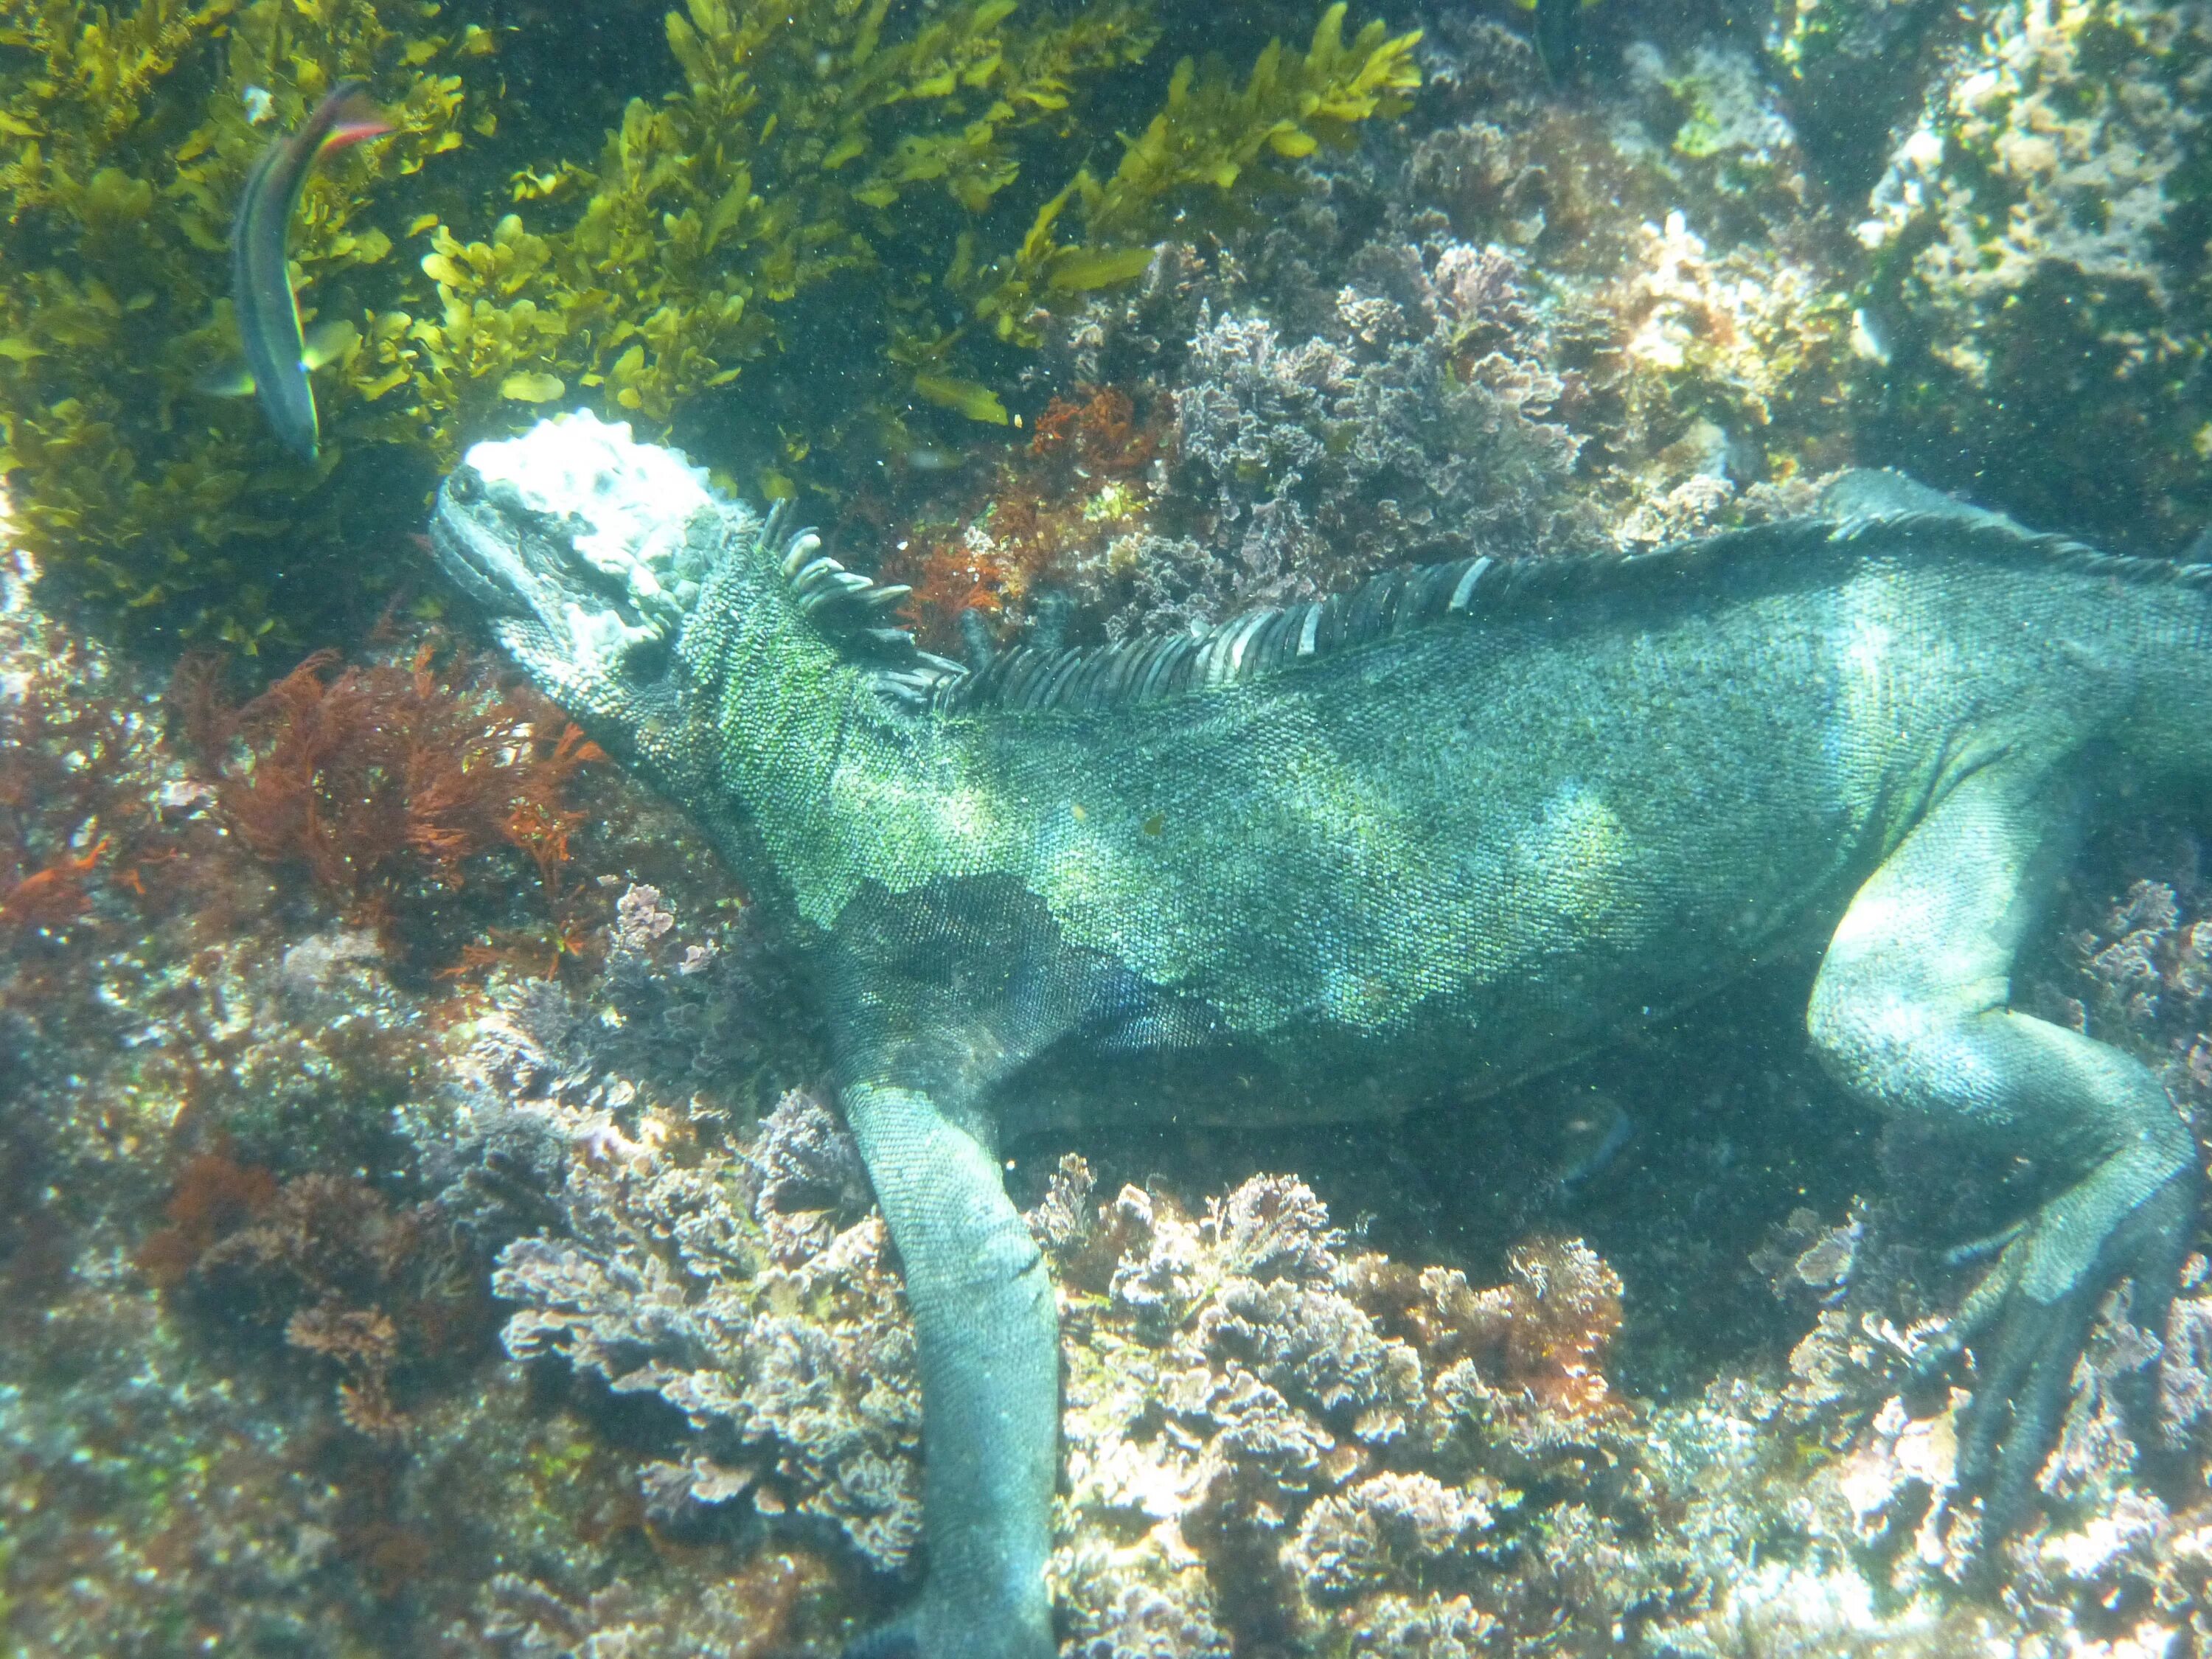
x=1408, y=870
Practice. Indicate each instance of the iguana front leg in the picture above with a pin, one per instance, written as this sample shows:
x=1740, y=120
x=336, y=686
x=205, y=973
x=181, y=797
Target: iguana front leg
x=1910, y=1012
x=987, y=1338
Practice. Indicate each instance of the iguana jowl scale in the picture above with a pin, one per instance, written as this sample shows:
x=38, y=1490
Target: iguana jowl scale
x=1339, y=860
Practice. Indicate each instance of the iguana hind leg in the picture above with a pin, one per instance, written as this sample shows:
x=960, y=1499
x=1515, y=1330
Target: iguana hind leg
x=1910, y=1012
x=987, y=1335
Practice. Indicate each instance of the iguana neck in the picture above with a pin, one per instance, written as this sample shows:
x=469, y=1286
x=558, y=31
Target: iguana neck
x=800, y=739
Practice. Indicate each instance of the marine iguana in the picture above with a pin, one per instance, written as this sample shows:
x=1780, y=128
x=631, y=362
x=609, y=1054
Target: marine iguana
x=1419, y=839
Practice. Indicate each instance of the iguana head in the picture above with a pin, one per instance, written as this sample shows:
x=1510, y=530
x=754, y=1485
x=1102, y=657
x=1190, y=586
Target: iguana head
x=617, y=577
x=589, y=552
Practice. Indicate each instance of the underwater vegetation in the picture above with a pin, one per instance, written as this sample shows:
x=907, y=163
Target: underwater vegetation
x=1506, y=329
x=1041, y=516
x=824, y=163
x=385, y=782
x=125, y=140
x=328, y=1260
x=1289, y=1435
x=278, y=1098
x=693, y=237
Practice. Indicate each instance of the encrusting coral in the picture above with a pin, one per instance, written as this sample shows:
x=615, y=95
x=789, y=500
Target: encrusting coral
x=1280, y=1436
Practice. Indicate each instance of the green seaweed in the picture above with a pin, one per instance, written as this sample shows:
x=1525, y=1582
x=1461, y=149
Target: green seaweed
x=899, y=193
x=769, y=184
x=124, y=141
x=1212, y=136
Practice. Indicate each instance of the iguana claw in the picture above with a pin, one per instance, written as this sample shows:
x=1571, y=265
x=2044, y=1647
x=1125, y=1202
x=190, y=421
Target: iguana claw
x=2026, y=1340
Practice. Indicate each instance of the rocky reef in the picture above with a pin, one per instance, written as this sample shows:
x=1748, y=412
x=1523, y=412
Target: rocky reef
x=505, y=1302
x=423, y=1226
x=2036, y=279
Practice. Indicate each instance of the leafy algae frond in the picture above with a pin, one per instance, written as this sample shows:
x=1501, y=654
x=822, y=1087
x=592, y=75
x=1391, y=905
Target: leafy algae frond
x=767, y=176
x=142, y=495
x=1213, y=134
x=773, y=179
x=883, y=200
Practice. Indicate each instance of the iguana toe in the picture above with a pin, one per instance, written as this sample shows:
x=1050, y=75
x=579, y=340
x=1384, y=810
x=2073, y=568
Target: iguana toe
x=2028, y=1341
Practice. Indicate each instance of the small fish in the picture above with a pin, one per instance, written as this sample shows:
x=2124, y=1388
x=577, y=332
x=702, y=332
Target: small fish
x=926, y=457
x=1591, y=1141
x=277, y=357
x=1559, y=33
x=260, y=105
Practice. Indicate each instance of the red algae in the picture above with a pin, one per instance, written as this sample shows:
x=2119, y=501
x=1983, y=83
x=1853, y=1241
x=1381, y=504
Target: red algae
x=1042, y=509
x=382, y=780
x=377, y=1289
x=1096, y=433
x=70, y=823
x=54, y=895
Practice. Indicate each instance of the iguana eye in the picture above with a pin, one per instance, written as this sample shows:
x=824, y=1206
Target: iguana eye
x=464, y=486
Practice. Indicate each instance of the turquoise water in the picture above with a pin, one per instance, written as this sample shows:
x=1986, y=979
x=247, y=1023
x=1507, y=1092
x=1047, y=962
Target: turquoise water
x=432, y=1218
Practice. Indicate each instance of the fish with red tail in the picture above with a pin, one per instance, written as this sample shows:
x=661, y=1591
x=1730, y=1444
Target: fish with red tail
x=279, y=357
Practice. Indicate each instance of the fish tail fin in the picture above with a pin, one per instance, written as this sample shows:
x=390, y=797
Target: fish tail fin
x=354, y=118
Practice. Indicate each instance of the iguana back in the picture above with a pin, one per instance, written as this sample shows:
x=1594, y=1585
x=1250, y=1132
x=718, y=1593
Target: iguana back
x=1439, y=857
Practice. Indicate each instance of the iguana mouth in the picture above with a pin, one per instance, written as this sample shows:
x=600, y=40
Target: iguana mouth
x=479, y=563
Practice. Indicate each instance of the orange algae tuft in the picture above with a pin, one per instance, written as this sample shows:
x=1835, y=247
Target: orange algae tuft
x=213, y=1194
x=1045, y=509
x=382, y=778
x=380, y=1293
x=951, y=575
x=79, y=834
x=48, y=897
x=1097, y=433
x=1564, y=1308
x=1545, y=1335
